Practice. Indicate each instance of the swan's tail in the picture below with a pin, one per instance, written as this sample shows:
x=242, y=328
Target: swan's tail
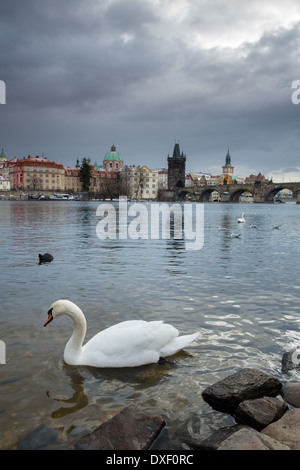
x=178, y=343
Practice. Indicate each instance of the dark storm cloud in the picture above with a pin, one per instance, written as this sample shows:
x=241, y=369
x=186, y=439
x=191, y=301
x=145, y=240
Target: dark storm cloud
x=57, y=55
x=143, y=73
x=130, y=16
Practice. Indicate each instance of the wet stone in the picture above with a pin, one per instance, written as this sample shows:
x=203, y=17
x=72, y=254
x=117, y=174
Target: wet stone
x=250, y=439
x=260, y=412
x=286, y=430
x=246, y=384
x=291, y=393
x=215, y=440
x=131, y=429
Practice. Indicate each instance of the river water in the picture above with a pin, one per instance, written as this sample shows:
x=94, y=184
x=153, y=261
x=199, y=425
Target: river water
x=242, y=294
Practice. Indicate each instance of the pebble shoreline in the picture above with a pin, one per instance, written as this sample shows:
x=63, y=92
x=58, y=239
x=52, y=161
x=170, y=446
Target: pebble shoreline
x=267, y=414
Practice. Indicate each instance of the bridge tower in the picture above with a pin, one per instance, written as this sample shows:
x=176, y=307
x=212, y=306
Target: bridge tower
x=176, y=169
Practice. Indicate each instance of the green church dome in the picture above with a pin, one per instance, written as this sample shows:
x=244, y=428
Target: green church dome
x=113, y=155
x=3, y=157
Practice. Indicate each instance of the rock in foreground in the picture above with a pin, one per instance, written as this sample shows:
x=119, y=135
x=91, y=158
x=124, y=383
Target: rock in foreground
x=286, y=430
x=260, y=412
x=250, y=439
x=246, y=384
x=131, y=429
x=291, y=393
x=215, y=440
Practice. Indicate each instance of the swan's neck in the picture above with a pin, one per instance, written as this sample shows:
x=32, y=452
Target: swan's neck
x=73, y=349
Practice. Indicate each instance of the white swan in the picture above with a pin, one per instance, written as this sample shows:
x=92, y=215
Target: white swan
x=242, y=219
x=128, y=344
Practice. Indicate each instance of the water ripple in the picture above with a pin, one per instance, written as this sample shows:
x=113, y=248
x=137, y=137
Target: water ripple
x=241, y=294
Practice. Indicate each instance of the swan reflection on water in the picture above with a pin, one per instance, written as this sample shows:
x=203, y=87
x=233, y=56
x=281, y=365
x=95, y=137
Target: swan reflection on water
x=78, y=400
x=110, y=381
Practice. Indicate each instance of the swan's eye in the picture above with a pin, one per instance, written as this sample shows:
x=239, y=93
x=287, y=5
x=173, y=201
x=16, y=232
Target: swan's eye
x=50, y=317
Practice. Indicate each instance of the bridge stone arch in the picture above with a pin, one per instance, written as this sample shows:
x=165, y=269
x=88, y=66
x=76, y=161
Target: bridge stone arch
x=236, y=193
x=206, y=193
x=182, y=195
x=270, y=195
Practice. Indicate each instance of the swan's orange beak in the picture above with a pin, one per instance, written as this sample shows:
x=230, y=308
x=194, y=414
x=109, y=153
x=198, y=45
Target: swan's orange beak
x=50, y=317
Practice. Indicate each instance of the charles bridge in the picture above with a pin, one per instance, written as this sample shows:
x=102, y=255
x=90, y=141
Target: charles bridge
x=261, y=192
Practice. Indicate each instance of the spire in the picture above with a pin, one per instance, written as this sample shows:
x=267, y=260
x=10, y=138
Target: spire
x=176, y=152
x=228, y=159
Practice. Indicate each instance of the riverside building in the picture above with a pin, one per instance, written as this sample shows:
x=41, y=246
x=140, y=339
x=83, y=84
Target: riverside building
x=37, y=174
x=140, y=182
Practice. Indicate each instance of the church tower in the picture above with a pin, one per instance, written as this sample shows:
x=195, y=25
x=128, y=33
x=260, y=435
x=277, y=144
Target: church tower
x=3, y=157
x=176, y=169
x=227, y=170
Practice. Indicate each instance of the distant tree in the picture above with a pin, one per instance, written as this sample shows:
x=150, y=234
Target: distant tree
x=112, y=187
x=85, y=175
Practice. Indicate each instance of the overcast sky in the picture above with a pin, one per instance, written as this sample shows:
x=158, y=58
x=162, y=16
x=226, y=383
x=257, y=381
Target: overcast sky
x=82, y=75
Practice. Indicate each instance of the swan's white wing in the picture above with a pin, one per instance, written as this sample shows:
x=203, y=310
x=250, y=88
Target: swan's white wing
x=128, y=344
x=178, y=343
